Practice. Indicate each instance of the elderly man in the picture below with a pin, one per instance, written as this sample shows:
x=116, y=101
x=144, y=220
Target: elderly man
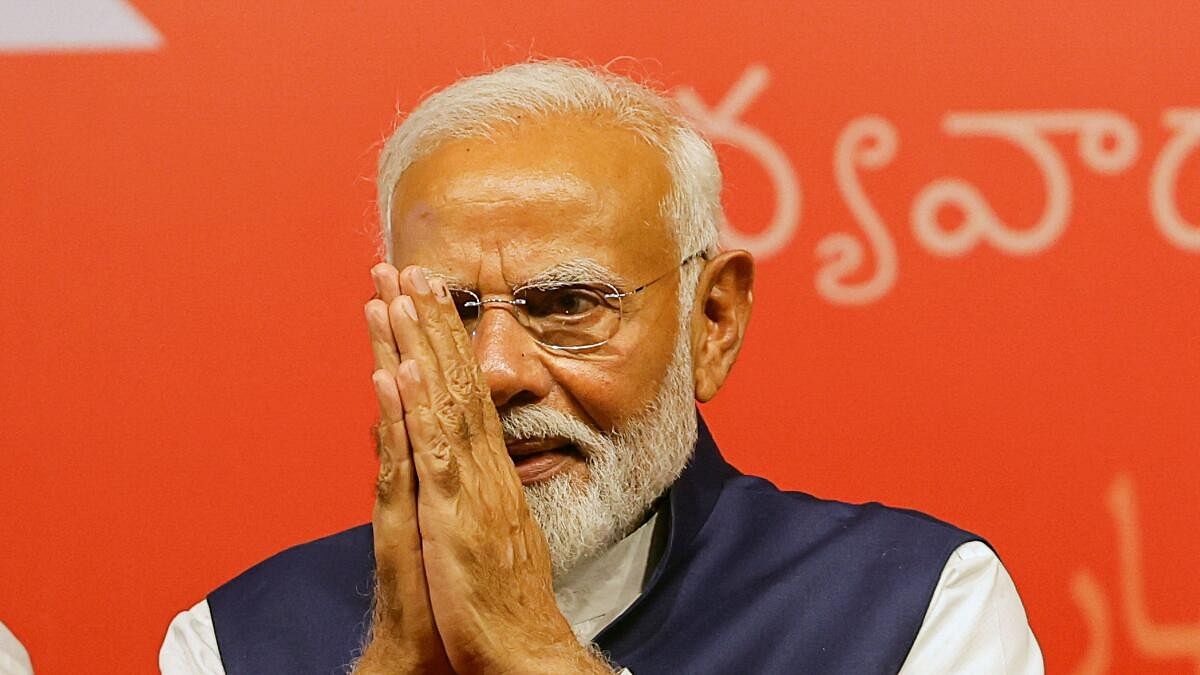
x=548, y=500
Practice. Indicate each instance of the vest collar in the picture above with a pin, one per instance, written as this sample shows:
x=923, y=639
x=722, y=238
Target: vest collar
x=692, y=498
x=690, y=501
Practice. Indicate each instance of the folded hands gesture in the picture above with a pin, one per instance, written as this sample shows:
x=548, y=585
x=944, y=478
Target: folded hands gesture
x=463, y=574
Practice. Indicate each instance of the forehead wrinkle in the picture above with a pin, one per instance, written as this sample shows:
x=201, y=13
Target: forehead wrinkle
x=530, y=186
x=456, y=282
x=451, y=280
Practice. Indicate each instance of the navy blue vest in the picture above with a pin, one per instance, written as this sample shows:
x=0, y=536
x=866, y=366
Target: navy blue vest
x=752, y=580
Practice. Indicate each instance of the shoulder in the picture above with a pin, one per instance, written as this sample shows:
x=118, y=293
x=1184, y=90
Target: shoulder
x=823, y=547
x=314, y=556
x=346, y=555
x=304, y=607
x=843, y=587
x=267, y=603
x=811, y=522
x=830, y=551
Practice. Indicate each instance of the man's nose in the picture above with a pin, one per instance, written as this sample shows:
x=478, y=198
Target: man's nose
x=510, y=359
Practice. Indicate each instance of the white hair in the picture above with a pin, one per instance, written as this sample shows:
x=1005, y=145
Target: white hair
x=484, y=105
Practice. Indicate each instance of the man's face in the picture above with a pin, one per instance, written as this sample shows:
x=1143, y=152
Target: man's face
x=596, y=436
x=489, y=215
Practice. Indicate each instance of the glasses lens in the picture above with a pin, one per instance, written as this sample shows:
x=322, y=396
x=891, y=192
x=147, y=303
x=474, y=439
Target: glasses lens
x=571, y=316
x=467, y=304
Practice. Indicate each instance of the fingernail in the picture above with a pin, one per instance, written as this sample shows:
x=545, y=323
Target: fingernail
x=378, y=272
x=380, y=378
x=440, y=290
x=419, y=282
x=375, y=314
x=406, y=304
x=410, y=368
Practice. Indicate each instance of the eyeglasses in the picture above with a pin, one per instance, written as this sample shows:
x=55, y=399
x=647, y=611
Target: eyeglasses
x=564, y=317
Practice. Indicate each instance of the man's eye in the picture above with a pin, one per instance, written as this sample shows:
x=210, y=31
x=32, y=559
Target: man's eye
x=569, y=301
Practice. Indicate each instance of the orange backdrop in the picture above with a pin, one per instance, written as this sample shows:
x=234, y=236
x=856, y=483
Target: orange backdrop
x=978, y=227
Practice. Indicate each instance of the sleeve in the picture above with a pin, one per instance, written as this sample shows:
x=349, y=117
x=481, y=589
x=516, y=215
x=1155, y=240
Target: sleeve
x=975, y=622
x=190, y=646
x=14, y=660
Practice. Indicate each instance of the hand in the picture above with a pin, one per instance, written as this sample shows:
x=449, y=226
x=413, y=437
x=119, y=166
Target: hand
x=404, y=636
x=486, y=562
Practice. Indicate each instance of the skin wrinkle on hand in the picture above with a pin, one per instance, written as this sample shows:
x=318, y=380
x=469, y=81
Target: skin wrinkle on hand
x=427, y=407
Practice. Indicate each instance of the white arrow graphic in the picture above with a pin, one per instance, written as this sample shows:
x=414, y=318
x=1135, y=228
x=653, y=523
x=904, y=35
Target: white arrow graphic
x=74, y=25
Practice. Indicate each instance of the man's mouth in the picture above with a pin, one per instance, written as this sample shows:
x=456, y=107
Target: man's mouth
x=540, y=459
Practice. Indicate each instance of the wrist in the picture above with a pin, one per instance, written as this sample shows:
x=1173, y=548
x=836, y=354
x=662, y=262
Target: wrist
x=575, y=658
x=389, y=657
x=378, y=659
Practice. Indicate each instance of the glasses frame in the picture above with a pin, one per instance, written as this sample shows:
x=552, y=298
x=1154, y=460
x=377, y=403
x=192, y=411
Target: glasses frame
x=482, y=303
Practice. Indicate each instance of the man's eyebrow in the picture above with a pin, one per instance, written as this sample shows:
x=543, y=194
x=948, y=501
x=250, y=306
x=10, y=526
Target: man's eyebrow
x=575, y=271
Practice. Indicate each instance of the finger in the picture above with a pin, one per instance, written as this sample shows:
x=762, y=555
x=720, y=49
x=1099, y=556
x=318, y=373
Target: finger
x=434, y=454
x=395, y=480
x=397, y=538
x=387, y=281
x=460, y=371
x=459, y=374
x=401, y=593
x=451, y=324
x=414, y=344
x=383, y=343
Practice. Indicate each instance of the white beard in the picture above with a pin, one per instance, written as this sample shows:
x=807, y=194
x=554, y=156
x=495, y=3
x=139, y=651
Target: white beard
x=628, y=468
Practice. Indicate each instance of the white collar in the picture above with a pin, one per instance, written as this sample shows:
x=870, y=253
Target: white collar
x=596, y=591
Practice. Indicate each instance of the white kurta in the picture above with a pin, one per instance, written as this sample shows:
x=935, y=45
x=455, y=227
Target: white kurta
x=975, y=622
x=14, y=660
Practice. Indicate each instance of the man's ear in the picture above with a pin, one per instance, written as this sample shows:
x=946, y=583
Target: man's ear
x=724, y=297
